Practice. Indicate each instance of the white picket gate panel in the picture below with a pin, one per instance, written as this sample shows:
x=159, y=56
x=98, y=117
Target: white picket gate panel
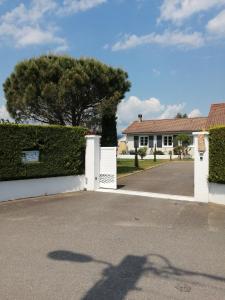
x=108, y=168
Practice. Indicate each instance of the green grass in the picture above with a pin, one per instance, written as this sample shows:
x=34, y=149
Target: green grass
x=126, y=166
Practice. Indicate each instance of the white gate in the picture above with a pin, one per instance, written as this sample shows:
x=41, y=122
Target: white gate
x=108, y=168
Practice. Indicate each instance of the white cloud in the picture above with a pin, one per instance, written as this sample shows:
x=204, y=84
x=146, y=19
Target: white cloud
x=168, y=38
x=194, y=113
x=4, y=113
x=74, y=6
x=27, y=25
x=151, y=108
x=217, y=25
x=22, y=14
x=179, y=10
x=171, y=111
x=129, y=109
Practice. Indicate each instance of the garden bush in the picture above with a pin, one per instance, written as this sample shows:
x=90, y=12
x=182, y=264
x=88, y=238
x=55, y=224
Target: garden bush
x=159, y=152
x=142, y=152
x=217, y=155
x=61, y=151
x=132, y=152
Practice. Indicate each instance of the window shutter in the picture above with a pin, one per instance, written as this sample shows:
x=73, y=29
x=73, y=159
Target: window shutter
x=136, y=141
x=151, y=141
x=159, y=141
x=175, y=141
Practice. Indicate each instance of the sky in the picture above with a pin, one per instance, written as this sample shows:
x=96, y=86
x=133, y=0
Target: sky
x=173, y=50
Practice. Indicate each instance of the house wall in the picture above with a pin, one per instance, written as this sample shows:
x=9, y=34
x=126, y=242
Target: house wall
x=166, y=150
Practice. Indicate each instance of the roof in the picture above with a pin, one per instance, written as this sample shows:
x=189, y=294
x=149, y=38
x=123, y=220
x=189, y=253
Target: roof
x=216, y=115
x=168, y=125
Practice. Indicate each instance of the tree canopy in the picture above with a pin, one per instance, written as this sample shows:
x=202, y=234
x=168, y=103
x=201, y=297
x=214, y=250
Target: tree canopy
x=64, y=90
x=181, y=116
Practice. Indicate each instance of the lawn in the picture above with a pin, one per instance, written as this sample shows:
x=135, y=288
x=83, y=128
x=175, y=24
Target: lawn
x=126, y=166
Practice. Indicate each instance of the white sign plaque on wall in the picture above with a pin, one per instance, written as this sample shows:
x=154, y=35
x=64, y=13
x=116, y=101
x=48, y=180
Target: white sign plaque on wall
x=30, y=156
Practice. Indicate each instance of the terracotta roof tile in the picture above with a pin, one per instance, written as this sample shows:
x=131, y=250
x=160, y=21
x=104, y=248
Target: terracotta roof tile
x=216, y=115
x=168, y=125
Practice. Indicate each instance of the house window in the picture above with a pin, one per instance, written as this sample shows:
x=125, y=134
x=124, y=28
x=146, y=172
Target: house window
x=168, y=141
x=143, y=141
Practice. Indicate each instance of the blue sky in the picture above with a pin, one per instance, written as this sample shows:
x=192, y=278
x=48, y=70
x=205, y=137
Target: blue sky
x=173, y=50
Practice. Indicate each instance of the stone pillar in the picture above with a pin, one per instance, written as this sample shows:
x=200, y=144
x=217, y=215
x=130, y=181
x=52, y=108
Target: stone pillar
x=92, y=162
x=201, y=166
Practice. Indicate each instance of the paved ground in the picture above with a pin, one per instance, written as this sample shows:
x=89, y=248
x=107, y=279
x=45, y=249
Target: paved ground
x=112, y=247
x=176, y=178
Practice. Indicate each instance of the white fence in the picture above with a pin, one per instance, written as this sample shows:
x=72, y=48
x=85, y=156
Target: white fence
x=100, y=165
x=108, y=168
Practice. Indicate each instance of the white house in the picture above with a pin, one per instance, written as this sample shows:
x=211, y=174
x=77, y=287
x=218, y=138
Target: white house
x=163, y=133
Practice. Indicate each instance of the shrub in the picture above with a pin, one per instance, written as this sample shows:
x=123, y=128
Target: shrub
x=177, y=150
x=132, y=152
x=159, y=152
x=184, y=141
x=61, y=151
x=142, y=152
x=217, y=155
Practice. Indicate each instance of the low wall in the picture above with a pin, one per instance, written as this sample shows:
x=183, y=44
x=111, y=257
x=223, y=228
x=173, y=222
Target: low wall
x=217, y=193
x=16, y=189
x=128, y=156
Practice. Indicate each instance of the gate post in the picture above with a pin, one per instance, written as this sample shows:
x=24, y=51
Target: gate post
x=201, y=166
x=92, y=162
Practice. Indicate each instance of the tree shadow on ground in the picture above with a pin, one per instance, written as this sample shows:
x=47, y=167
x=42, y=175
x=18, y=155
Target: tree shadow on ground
x=117, y=281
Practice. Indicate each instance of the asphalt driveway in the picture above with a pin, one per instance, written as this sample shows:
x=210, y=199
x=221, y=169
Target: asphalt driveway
x=112, y=247
x=176, y=178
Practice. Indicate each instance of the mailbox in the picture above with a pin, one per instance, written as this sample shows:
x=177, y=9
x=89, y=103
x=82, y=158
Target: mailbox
x=201, y=146
x=201, y=155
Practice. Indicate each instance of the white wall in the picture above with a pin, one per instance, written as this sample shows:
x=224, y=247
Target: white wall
x=92, y=165
x=130, y=142
x=201, y=169
x=217, y=193
x=206, y=191
x=16, y=189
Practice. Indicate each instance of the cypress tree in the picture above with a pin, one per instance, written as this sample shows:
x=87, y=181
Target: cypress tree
x=109, y=132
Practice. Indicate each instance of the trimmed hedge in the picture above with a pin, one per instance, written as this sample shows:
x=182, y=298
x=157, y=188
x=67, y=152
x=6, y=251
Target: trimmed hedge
x=61, y=151
x=217, y=155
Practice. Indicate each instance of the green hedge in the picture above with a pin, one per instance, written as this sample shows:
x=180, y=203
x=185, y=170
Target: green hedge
x=217, y=155
x=61, y=151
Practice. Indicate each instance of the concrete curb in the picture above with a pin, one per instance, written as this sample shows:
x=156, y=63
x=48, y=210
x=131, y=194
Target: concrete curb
x=149, y=195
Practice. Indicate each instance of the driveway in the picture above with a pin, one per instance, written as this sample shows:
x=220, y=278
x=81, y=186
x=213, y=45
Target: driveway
x=112, y=247
x=176, y=178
